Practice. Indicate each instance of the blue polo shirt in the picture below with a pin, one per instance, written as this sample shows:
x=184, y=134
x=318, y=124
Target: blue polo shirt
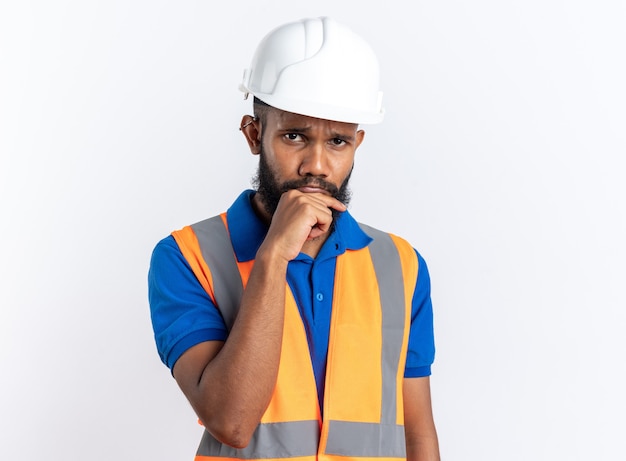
x=183, y=314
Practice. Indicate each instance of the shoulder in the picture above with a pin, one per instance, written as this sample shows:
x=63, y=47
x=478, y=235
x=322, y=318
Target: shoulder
x=410, y=256
x=166, y=249
x=379, y=237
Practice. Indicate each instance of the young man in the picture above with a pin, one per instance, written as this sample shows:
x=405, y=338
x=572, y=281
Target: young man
x=293, y=330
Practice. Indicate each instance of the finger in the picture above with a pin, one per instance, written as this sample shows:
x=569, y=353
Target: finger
x=315, y=233
x=327, y=201
x=322, y=225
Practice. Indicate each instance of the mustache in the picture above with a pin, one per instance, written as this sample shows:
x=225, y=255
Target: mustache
x=311, y=182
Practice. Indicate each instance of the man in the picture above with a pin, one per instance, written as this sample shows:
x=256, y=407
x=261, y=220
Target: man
x=294, y=331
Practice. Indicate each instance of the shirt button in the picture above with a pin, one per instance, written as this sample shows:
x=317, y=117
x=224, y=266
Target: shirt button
x=319, y=297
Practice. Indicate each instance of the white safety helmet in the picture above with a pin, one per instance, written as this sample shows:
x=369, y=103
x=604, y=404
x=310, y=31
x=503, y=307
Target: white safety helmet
x=319, y=68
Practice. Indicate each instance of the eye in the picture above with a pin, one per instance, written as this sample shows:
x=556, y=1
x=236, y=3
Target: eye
x=338, y=142
x=293, y=136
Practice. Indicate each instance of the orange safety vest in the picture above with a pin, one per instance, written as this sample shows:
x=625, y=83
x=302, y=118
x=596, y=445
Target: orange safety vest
x=370, y=320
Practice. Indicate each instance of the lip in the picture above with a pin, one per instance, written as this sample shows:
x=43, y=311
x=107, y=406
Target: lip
x=312, y=189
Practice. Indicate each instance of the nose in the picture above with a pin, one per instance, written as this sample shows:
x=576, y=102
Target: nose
x=314, y=161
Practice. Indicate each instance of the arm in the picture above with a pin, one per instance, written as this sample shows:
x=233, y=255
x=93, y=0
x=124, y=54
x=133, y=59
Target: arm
x=229, y=384
x=421, y=436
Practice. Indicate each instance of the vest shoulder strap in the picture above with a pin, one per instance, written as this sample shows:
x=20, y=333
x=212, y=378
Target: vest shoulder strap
x=218, y=253
x=389, y=254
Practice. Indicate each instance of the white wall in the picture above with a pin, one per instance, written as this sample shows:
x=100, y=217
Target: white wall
x=500, y=159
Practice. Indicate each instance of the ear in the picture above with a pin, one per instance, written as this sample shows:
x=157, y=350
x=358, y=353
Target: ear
x=251, y=130
x=360, y=134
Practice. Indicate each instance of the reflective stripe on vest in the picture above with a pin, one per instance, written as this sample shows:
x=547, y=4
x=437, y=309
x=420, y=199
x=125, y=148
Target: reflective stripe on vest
x=272, y=440
x=219, y=255
x=276, y=440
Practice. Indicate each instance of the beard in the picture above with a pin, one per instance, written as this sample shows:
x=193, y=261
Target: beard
x=270, y=190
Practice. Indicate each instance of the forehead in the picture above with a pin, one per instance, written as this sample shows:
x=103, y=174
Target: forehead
x=281, y=120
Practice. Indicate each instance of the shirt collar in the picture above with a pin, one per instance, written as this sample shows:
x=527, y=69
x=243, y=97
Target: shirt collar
x=247, y=231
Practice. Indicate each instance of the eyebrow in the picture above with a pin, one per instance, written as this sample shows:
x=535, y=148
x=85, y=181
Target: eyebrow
x=296, y=129
x=347, y=137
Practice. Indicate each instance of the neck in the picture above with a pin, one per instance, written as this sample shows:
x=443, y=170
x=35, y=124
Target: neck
x=259, y=209
x=312, y=247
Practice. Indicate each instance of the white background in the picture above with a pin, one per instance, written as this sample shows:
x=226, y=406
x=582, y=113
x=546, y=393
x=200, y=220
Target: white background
x=500, y=159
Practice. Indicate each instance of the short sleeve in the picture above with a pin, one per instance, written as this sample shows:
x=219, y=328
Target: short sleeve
x=181, y=311
x=421, y=350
